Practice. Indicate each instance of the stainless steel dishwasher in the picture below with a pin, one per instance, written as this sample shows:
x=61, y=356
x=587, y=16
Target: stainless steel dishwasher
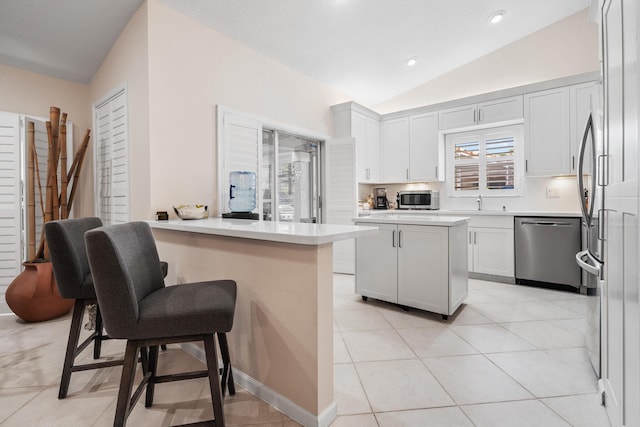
x=545, y=250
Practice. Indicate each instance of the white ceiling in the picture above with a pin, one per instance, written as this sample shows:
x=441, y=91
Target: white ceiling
x=357, y=46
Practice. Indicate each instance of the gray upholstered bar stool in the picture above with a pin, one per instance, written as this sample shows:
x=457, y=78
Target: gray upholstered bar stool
x=137, y=306
x=65, y=239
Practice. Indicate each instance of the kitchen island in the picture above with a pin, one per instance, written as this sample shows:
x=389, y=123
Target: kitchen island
x=414, y=261
x=281, y=343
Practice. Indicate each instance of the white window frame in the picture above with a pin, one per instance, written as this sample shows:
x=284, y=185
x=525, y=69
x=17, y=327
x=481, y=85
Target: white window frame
x=483, y=134
x=258, y=123
x=96, y=137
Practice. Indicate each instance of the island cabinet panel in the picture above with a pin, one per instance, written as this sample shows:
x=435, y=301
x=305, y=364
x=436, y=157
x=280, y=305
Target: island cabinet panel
x=376, y=264
x=423, y=254
x=421, y=266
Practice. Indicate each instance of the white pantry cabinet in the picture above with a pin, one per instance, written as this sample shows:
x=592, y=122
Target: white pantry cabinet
x=413, y=265
x=497, y=110
x=353, y=120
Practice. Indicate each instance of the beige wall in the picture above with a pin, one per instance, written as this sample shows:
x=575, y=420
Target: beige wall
x=282, y=334
x=127, y=65
x=192, y=69
x=32, y=94
x=566, y=48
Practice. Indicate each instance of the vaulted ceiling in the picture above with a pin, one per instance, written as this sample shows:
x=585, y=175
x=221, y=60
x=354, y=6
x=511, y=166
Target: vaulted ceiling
x=358, y=46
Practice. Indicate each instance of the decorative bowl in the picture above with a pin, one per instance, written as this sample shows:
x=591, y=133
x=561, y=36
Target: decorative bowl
x=191, y=211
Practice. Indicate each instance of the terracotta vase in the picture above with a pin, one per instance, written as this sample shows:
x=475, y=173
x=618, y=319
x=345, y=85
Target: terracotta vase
x=33, y=295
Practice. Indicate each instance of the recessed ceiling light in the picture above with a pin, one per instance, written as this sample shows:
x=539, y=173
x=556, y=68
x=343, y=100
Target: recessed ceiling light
x=496, y=17
x=411, y=61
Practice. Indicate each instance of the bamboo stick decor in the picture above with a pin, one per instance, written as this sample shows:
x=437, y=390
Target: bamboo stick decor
x=57, y=200
x=31, y=196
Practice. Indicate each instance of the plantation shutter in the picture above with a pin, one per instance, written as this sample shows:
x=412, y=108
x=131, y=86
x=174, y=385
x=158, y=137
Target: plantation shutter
x=112, y=160
x=10, y=206
x=339, y=207
x=241, y=149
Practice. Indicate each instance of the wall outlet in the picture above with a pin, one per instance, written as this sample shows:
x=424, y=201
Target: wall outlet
x=552, y=193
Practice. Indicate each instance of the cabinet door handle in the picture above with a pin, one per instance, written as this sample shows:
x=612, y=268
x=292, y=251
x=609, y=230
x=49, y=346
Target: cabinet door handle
x=407, y=173
x=573, y=163
x=400, y=239
x=474, y=116
x=368, y=173
x=479, y=115
x=526, y=165
x=393, y=238
x=436, y=172
x=470, y=234
x=475, y=237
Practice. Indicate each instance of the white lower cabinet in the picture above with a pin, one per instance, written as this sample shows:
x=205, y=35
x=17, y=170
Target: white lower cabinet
x=414, y=266
x=490, y=241
x=377, y=265
x=491, y=251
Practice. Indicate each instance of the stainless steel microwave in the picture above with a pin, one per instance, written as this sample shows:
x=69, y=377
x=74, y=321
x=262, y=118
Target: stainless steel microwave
x=418, y=199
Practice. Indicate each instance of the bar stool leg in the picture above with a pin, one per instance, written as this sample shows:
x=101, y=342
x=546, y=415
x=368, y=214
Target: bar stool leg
x=72, y=344
x=227, y=373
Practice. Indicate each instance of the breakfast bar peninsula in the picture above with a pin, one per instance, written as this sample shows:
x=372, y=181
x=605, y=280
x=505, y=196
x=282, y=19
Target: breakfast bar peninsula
x=281, y=343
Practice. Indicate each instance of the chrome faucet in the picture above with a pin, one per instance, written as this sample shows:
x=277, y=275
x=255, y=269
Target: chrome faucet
x=479, y=201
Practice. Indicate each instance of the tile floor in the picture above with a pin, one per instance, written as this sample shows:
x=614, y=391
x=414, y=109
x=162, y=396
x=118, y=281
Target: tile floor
x=511, y=356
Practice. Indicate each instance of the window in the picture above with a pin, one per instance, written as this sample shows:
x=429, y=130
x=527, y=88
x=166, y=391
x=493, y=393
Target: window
x=485, y=161
x=112, y=159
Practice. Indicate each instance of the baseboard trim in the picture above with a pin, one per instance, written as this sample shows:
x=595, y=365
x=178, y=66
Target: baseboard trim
x=278, y=401
x=492, y=277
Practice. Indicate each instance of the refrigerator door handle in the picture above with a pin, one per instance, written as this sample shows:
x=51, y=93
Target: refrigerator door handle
x=587, y=212
x=585, y=265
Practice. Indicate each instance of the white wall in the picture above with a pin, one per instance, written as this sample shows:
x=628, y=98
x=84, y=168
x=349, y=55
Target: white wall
x=566, y=48
x=127, y=64
x=192, y=69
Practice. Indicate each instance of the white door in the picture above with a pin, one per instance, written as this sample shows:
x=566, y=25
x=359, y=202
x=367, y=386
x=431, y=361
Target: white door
x=376, y=263
x=492, y=251
x=621, y=305
x=10, y=204
x=423, y=267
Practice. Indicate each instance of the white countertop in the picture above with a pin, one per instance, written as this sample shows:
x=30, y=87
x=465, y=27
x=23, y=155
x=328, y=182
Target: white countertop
x=376, y=212
x=283, y=232
x=433, y=220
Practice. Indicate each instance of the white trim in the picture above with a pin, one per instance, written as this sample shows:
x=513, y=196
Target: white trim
x=273, y=398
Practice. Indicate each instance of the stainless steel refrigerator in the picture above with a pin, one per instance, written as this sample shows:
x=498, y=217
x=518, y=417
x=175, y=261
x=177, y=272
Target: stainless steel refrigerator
x=591, y=192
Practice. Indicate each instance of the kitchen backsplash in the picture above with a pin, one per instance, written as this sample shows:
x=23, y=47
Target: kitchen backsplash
x=540, y=194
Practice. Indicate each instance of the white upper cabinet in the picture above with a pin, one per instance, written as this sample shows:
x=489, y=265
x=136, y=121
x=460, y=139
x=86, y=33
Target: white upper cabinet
x=497, y=110
x=395, y=150
x=425, y=157
x=351, y=120
x=547, y=132
x=582, y=100
x=555, y=120
x=410, y=149
x=458, y=117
